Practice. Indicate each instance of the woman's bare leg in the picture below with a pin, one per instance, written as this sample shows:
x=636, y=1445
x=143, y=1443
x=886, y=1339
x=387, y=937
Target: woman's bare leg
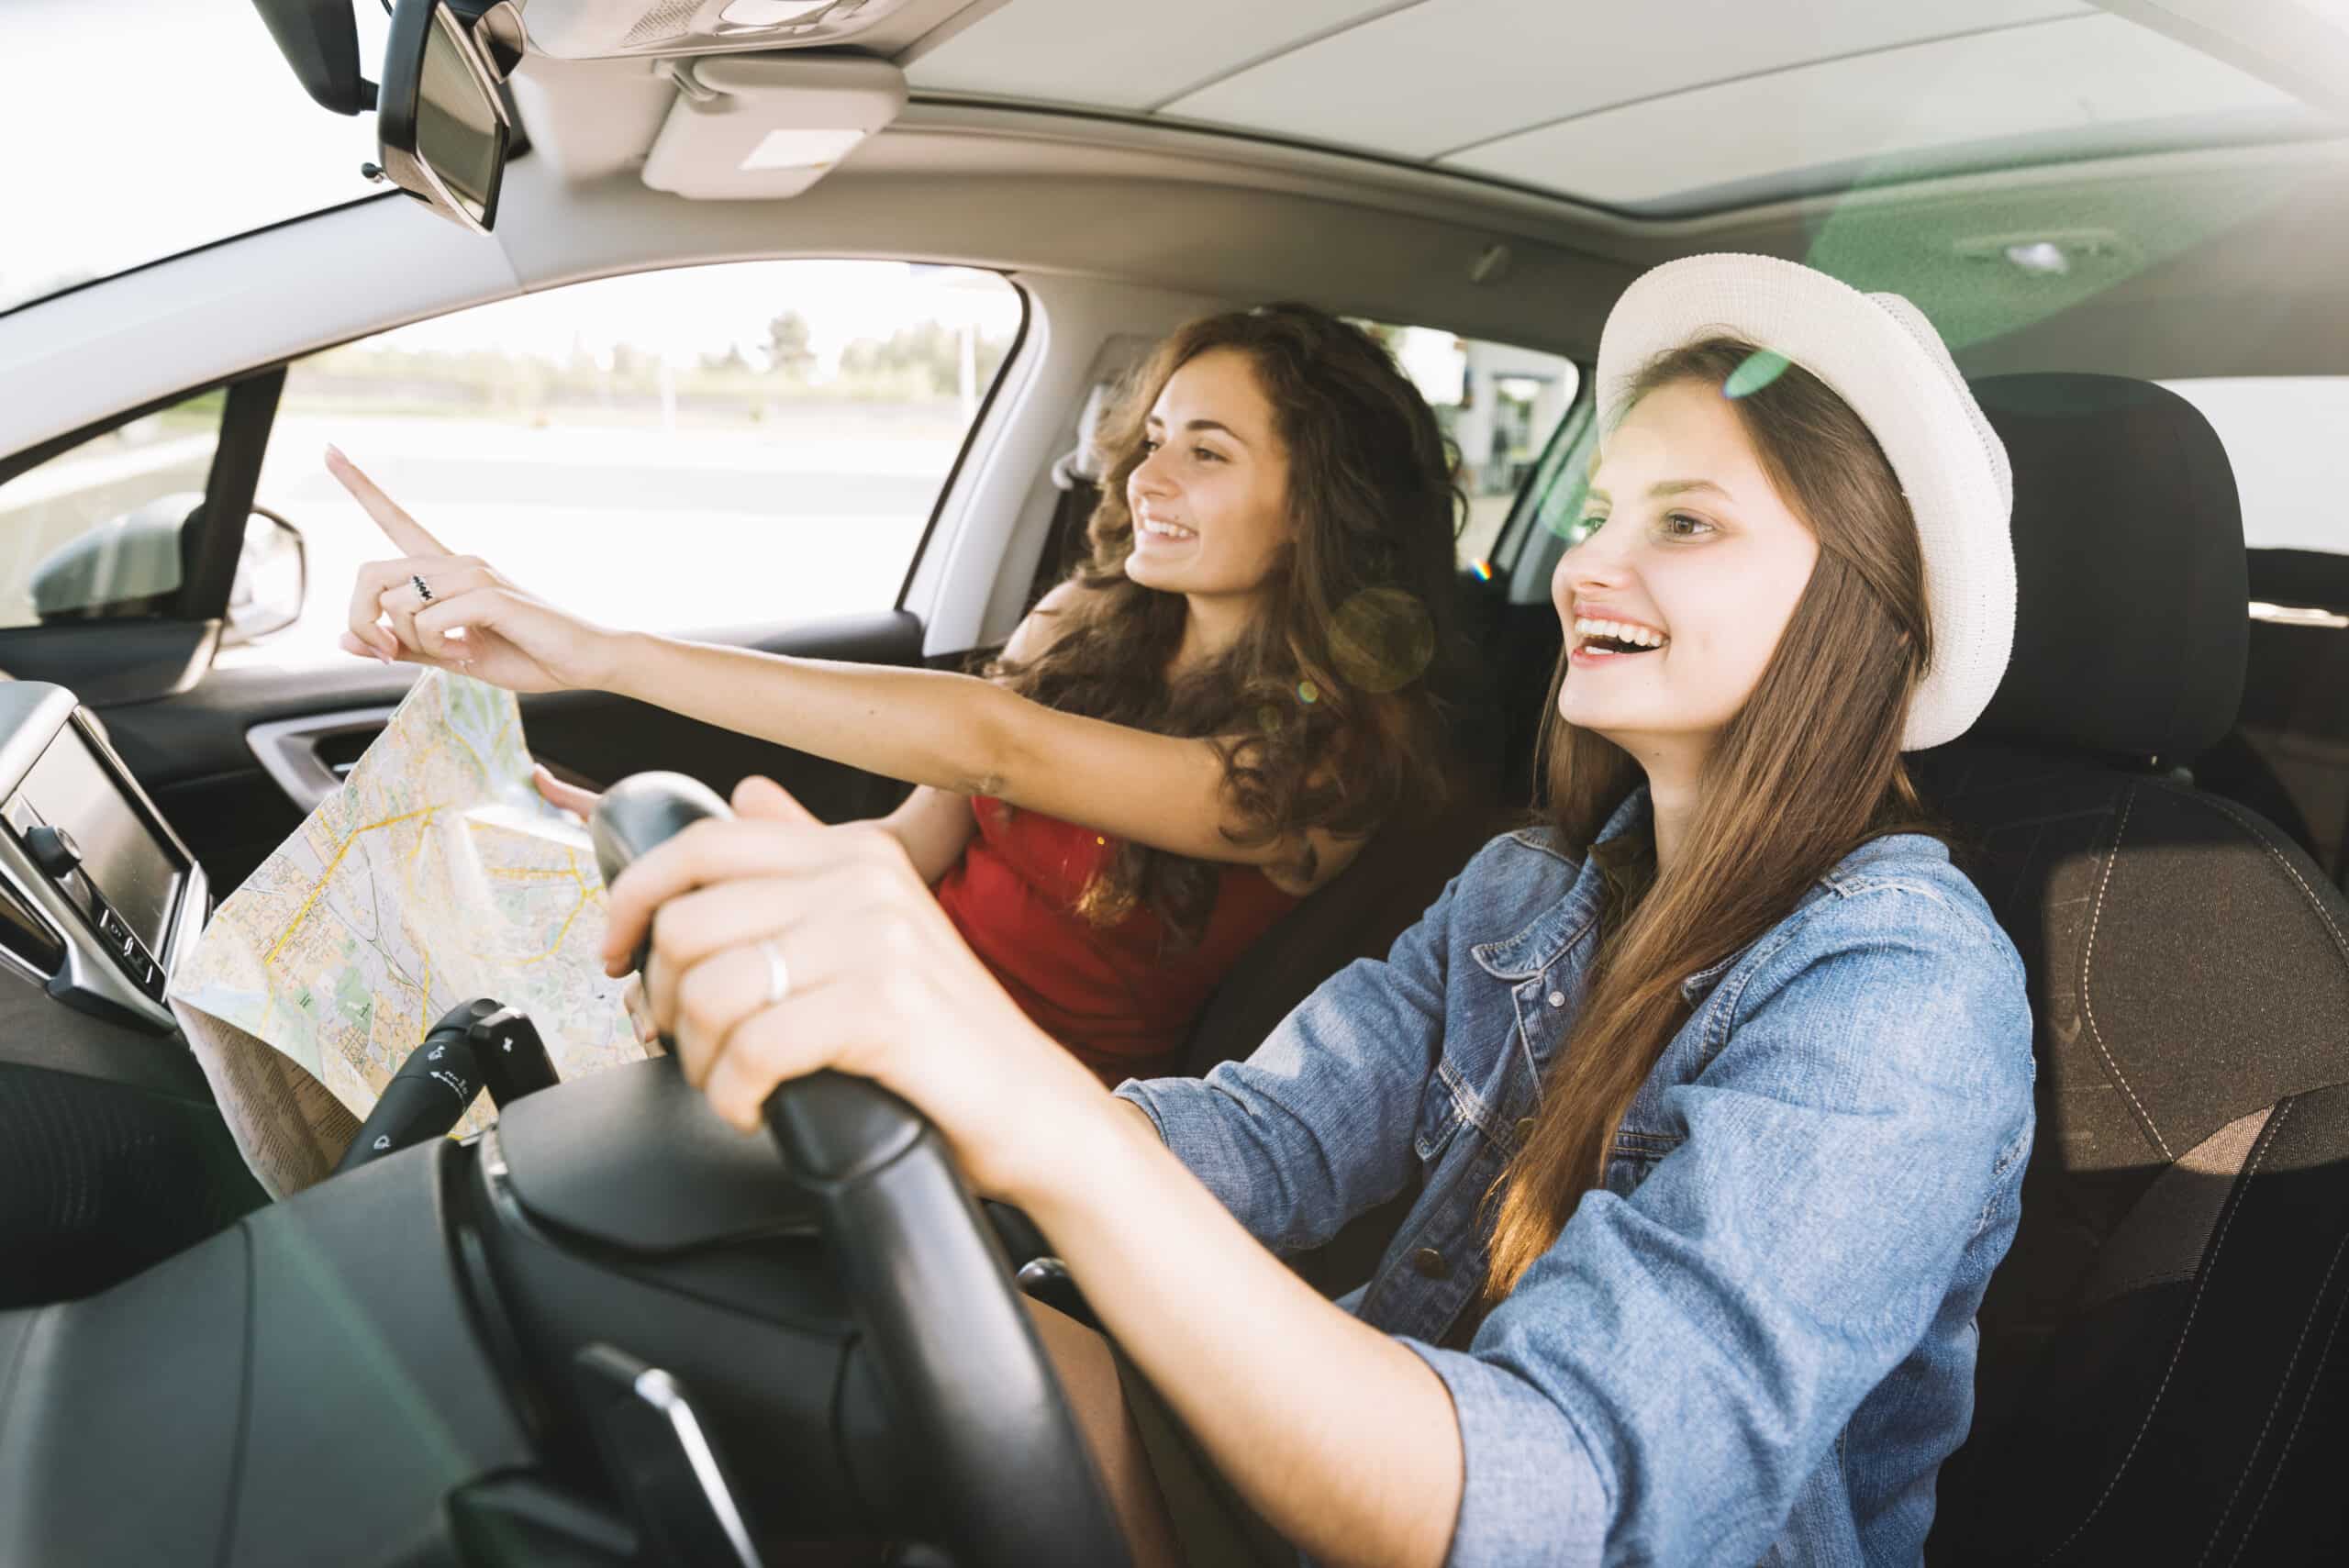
x=1089, y=1375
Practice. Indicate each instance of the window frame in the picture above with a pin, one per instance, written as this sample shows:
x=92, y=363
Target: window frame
x=1513, y=556
x=210, y=571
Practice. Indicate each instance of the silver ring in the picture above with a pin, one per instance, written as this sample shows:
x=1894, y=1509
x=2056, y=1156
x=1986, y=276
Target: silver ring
x=422, y=591
x=778, y=972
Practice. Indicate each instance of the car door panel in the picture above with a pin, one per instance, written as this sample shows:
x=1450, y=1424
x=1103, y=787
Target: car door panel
x=195, y=754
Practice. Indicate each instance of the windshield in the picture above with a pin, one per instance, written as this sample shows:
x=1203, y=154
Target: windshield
x=162, y=126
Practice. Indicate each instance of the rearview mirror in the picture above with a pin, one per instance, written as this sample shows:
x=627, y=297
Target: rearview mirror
x=440, y=122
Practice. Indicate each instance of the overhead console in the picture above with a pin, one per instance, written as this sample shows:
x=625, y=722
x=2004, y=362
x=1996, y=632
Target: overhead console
x=605, y=30
x=97, y=894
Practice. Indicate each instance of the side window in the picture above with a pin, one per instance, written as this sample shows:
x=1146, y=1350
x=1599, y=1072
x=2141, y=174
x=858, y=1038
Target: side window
x=93, y=532
x=1498, y=405
x=735, y=445
x=1553, y=502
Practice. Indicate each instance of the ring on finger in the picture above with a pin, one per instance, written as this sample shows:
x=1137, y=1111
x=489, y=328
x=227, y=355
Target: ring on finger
x=778, y=972
x=423, y=589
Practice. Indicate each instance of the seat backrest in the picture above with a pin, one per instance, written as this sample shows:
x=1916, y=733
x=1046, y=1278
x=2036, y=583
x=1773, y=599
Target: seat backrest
x=2162, y=1377
x=1358, y=915
x=1395, y=876
x=1365, y=908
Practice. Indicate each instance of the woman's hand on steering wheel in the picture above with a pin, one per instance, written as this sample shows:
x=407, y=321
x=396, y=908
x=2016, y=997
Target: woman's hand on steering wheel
x=781, y=946
x=468, y=618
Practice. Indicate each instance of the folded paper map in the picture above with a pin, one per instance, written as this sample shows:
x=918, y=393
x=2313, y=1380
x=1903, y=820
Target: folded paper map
x=435, y=874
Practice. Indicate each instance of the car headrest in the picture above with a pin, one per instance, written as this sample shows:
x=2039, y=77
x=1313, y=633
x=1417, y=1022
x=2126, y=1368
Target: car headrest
x=2130, y=621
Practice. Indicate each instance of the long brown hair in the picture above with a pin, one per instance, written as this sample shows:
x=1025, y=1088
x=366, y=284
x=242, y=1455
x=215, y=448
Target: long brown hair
x=1806, y=771
x=1324, y=710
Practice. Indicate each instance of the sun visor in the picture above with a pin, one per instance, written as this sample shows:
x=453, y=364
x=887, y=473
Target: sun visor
x=752, y=128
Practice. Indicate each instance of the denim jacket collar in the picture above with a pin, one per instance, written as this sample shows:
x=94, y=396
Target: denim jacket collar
x=1543, y=942
x=1554, y=931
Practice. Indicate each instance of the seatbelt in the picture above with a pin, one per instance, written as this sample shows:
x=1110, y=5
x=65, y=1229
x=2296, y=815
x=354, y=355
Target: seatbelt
x=1065, y=541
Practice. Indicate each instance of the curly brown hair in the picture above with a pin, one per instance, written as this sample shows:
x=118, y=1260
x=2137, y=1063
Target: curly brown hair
x=1325, y=710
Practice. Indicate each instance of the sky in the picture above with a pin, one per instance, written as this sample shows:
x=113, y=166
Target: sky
x=205, y=134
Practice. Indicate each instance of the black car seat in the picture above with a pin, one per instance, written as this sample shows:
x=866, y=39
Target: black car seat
x=2290, y=747
x=2162, y=1377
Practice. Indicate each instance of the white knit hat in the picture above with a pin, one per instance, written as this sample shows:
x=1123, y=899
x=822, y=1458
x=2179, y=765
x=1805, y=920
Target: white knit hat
x=1879, y=354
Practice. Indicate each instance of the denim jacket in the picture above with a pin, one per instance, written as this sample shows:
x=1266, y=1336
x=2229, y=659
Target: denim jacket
x=1757, y=1344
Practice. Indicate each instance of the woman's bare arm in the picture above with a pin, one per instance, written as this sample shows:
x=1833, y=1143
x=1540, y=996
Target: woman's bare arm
x=967, y=736
x=955, y=733
x=934, y=825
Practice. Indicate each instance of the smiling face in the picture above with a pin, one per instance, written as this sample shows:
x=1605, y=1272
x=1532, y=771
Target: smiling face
x=1211, y=500
x=1691, y=553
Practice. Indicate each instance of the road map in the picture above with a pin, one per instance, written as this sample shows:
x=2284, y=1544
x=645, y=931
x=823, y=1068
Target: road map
x=435, y=874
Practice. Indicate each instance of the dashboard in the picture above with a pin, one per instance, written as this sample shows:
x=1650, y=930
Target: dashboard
x=97, y=894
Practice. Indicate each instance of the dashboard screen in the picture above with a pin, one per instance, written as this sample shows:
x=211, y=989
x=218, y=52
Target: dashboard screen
x=129, y=866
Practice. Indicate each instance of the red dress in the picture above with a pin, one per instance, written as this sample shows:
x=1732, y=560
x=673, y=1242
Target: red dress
x=1104, y=991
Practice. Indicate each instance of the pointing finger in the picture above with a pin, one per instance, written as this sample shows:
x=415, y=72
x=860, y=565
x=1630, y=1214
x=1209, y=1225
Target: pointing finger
x=404, y=531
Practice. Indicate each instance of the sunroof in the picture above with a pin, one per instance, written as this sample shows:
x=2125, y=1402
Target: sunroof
x=1666, y=106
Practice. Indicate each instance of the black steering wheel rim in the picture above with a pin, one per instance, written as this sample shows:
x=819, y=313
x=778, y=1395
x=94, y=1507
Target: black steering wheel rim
x=957, y=1356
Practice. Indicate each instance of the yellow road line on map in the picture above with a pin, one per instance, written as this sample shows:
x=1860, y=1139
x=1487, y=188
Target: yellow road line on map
x=327, y=875
x=485, y=767
x=583, y=897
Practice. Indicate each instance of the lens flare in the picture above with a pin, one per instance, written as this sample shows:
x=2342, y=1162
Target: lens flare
x=1761, y=368
x=1381, y=640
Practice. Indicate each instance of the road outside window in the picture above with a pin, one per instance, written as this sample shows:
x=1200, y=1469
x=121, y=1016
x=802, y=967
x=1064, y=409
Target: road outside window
x=751, y=444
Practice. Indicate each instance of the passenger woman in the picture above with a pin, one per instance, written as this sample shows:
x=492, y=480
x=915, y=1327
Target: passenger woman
x=1201, y=726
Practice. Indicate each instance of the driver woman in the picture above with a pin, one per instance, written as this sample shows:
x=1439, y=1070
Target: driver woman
x=1719, y=1081
x=1198, y=729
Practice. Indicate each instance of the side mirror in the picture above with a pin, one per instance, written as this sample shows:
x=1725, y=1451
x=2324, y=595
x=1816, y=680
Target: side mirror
x=131, y=566
x=273, y=576
x=127, y=566
x=440, y=122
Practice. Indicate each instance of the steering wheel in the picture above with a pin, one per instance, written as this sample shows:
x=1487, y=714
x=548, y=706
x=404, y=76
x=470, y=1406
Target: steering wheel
x=958, y=1359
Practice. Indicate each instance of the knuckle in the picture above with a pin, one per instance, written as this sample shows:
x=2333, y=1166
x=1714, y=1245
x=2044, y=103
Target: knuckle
x=696, y=1008
x=897, y=937
x=901, y=991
